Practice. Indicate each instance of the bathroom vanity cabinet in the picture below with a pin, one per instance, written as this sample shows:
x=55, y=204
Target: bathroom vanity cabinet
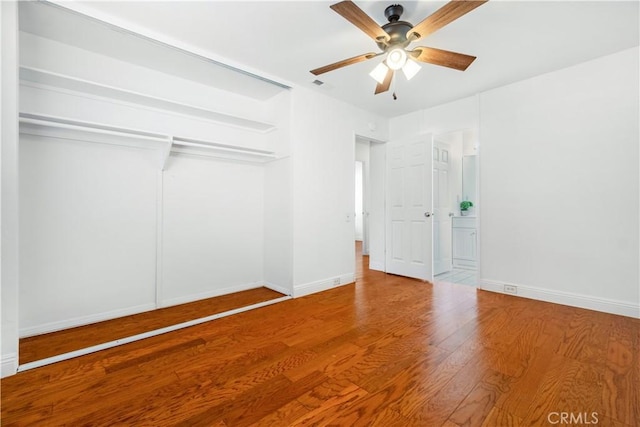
x=465, y=239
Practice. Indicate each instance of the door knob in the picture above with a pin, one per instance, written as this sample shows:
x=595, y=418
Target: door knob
x=427, y=214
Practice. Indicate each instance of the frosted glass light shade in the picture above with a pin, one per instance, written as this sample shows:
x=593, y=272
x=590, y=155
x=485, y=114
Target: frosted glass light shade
x=379, y=73
x=410, y=69
x=396, y=58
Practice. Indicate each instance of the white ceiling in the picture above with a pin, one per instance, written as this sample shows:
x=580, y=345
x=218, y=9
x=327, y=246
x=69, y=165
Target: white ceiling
x=513, y=40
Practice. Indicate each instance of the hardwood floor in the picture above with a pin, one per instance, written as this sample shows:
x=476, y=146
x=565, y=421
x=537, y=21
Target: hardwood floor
x=386, y=351
x=46, y=345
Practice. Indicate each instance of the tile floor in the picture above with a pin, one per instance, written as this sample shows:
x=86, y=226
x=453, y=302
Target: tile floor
x=463, y=277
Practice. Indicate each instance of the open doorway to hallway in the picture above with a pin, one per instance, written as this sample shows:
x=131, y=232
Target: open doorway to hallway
x=361, y=205
x=369, y=200
x=360, y=212
x=362, y=261
x=361, y=192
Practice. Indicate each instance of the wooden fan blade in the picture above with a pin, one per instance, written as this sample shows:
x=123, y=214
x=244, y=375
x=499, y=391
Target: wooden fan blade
x=344, y=63
x=352, y=13
x=443, y=16
x=445, y=58
x=384, y=86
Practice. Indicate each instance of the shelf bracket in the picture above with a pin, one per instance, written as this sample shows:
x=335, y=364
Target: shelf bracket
x=165, y=153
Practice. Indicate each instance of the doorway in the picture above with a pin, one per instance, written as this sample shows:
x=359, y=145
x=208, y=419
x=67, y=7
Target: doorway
x=372, y=154
x=359, y=204
x=455, y=225
x=362, y=193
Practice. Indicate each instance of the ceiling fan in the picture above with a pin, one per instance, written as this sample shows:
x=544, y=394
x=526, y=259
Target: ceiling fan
x=394, y=37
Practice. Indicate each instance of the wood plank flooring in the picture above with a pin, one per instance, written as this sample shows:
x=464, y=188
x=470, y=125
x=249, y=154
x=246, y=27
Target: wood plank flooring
x=386, y=351
x=46, y=345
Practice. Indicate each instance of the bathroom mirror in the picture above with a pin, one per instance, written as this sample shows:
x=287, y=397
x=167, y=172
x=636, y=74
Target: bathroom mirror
x=469, y=190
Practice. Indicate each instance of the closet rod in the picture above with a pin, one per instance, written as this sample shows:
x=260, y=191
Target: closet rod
x=220, y=147
x=72, y=124
x=110, y=130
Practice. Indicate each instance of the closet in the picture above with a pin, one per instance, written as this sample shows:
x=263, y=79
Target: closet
x=148, y=175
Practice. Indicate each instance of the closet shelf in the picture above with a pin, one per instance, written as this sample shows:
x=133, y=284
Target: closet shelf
x=48, y=78
x=169, y=143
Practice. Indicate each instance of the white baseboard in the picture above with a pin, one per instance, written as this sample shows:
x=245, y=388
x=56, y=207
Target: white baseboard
x=83, y=320
x=209, y=294
x=283, y=290
x=376, y=265
x=565, y=298
x=9, y=364
x=322, y=285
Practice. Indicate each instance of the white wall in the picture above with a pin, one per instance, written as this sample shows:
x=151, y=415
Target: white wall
x=445, y=118
x=377, y=225
x=212, y=228
x=9, y=180
x=278, y=230
x=559, y=185
x=87, y=232
x=278, y=201
x=323, y=136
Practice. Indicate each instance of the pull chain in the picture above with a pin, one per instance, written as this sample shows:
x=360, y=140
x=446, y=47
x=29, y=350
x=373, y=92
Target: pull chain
x=395, y=97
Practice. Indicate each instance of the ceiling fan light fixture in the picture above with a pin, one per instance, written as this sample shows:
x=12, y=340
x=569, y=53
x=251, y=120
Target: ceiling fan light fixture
x=396, y=58
x=410, y=69
x=379, y=73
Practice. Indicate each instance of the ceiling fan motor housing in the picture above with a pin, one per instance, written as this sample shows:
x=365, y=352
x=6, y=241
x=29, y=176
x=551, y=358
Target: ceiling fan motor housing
x=396, y=29
x=393, y=12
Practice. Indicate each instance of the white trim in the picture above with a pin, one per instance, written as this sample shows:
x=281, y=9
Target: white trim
x=166, y=153
x=9, y=213
x=208, y=294
x=278, y=288
x=58, y=122
x=9, y=364
x=84, y=320
x=322, y=285
x=54, y=126
x=190, y=142
x=138, y=337
x=565, y=298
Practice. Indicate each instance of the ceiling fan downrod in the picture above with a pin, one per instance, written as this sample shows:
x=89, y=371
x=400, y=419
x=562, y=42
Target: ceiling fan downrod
x=396, y=29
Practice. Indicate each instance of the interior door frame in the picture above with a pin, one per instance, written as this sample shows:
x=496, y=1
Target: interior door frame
x=440, y=217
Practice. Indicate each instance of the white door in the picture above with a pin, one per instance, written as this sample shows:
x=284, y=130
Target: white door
x=442, y=211
x=409, y=234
